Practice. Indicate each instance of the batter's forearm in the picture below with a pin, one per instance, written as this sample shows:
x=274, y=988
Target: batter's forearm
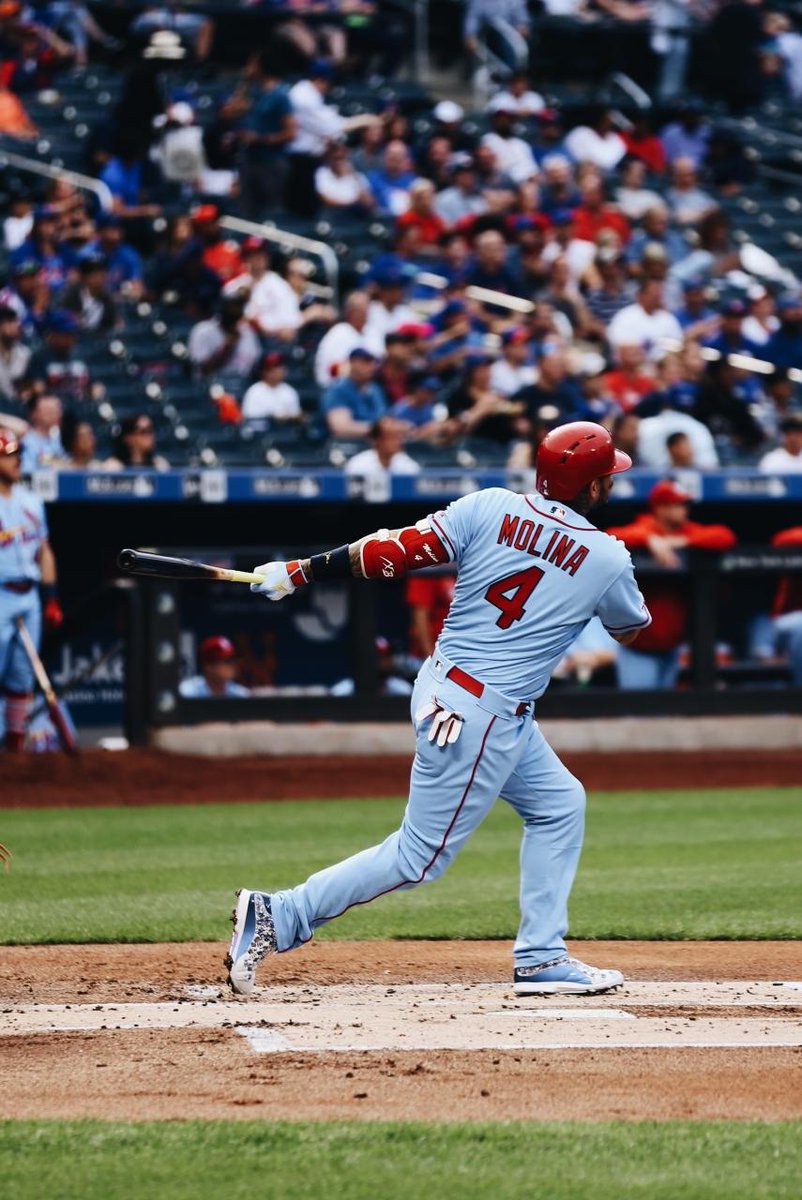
x=386, y=554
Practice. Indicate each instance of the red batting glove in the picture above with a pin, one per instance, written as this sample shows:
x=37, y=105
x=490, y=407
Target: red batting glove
x=52, y=614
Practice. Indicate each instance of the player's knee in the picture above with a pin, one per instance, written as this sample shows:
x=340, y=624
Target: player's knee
x=575, y=799
x=419, y=859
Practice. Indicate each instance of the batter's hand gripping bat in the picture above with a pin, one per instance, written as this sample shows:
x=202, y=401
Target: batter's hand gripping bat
x=161, y=566
x=54, y=708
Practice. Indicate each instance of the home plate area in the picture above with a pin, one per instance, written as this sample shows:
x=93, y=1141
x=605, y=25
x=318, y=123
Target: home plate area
x=447, y=1016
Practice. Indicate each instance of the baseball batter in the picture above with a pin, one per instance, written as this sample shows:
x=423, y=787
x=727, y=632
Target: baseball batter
x=26, y=562
x=532, y=571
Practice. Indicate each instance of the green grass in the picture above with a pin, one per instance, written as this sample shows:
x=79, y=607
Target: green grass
x=91, y=1160
x=720, y=864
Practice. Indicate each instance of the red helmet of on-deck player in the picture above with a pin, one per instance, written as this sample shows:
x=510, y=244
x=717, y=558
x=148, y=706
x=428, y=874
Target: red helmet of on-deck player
x=572, y=455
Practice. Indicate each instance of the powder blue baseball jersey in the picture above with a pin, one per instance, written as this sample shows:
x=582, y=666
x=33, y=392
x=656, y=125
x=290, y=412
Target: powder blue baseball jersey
x=196, y=687
x=532, y=574
x=23, y=529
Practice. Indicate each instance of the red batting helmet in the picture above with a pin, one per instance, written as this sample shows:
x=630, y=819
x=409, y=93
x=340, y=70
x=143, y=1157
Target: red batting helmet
x=9, y=442
x=216, y=649
x=572, y=455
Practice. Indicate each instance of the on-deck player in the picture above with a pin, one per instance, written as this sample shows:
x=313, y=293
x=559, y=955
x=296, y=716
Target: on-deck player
x=531, y=573
x=26, y=562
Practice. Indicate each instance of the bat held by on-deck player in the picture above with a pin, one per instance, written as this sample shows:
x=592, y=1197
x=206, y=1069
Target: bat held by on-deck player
x=162, y=566
x=58, y=716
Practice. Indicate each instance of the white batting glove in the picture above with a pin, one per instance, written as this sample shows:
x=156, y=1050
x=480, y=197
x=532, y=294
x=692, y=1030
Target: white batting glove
x=446, y=724
x=276, y=583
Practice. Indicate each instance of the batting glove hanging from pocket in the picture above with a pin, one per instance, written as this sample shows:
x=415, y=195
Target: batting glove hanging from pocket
x=446, y=723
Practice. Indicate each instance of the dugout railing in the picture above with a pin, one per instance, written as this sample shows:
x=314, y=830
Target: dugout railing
x=715, y=586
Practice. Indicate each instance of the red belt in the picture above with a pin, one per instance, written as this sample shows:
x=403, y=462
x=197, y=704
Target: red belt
x=20, y=586
x=475, y=687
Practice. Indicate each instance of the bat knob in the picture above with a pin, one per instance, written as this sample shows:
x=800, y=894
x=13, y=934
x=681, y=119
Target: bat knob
x=126, y=559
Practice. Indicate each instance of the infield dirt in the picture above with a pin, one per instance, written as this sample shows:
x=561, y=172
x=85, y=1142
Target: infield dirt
x=214, y=1072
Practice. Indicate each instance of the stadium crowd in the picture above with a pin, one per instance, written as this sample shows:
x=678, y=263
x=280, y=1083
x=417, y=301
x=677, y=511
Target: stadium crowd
x=524, y=270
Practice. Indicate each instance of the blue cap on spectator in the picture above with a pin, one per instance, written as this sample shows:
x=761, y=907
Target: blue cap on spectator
x=320, y=69
x=361, y=352
x=428, y=383
x=478, y=358
x=693, y=284
x=45, y=212
x=733, y=308
x=61, y=321
x=108, y=220
x=388, y=270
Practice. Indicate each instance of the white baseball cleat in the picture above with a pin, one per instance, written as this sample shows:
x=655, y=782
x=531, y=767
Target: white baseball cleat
x=253, y=938
x=564, y=976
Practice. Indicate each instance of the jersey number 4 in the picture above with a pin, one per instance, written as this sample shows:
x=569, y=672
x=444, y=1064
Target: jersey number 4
x=511, y=593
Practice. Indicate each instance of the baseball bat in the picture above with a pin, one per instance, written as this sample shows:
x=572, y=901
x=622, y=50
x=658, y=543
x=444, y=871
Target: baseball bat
x=137, y=562
x=57, y=714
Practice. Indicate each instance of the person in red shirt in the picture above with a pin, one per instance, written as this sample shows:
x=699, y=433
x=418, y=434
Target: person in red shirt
x=421, y=213
x=219, y=254
x=428, y=595
x=629, y=381
x=641, y=142
x=787, y=612
x=593, y=215
x=663, y=531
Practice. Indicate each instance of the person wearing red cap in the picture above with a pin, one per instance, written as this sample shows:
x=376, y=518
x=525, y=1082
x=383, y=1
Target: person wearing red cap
x=217, y=660
x=220, y=254
x=531, y=573
x=27, y=565
x=271, y=397
x=515, y=369
x=663, y=532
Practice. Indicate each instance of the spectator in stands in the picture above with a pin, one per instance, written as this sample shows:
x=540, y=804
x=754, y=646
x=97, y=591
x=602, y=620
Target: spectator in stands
x=271, y=397
x=42, y=247
x=663, y=532
x=558, y=188
x=646, y=323
x=385, y=456
x=217, y=660
x=518, y=97
x=39, y=56
x=434, y=163
x=196, y=287
x=787, y=457
x=123, y=175
x=761, y=322
x=225, y=344
x=72, y=20
x=723, y=406
x=339, y=187
x=688, y=136
x=89, y=297
x=268, y=126
x=194, y=30
x=784, y=347
x=613, y=291
x=476, y=409
x=347, y=335
x=597, y=142
x=28, y=294
x=55, y=366
x=388, y=309
x=730, y=337
x=697, y=318
x=483, y=14
x=679, y=448
x=631, y=197
x=686, y=200
x=515, y=368
x=463, y=197
x=123, y=263
x=355, y=402
x=318, y=125
x=14, y=119
x=418, y=410
x=780, y=400
x=631, y=378
x=14, y=354
x=624, y=430
x=514, y=156
x=41, y=443
x=17, y=225
x=391, y=182
x=393, y=374
x=593, y=214
x=220, y=254
x=489, y=267
x=272, y=307
x=422, y=215
x=643, y=144
x=655, y=228
x=80, y=445
x=135, y=446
